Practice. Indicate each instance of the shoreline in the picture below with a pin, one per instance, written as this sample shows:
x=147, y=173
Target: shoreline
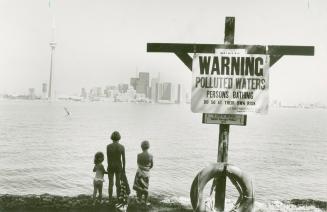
x=82, y=202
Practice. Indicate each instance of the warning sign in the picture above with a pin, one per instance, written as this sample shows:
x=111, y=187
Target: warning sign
x=230, y=82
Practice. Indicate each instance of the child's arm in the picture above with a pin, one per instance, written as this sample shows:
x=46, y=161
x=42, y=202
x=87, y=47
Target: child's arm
x=94, y=169
x=143, y=182
x=104, y=171
x=151, y=165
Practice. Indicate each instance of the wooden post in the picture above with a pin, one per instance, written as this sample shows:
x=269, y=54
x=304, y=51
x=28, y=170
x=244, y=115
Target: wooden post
x=224, y=131
x=222, y=157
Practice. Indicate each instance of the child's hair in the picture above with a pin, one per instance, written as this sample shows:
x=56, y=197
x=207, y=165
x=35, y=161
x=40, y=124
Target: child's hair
x=115, y=136
x=98, y=158
x=145, y=145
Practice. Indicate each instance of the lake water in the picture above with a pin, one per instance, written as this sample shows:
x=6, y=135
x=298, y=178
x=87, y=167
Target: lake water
x=43, y=151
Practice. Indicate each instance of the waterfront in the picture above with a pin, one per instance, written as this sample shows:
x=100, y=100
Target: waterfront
x=44, y=151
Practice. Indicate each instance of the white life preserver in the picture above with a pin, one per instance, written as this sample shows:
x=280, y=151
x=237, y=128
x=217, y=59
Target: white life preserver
x=240, y=180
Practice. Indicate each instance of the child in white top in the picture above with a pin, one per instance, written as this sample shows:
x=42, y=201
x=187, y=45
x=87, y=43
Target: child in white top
x=99, y=174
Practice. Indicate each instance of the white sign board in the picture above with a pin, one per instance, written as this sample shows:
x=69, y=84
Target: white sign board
x=230, y=82
x=232, y=119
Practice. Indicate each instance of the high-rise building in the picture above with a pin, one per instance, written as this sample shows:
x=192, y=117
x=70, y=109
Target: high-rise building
x=167, y=91
x=44, y=90
x=179, y=98
x=154, y=90
x=142, y=85
x=83, y=93
x=31, y=93
x=133, y=82
x=44, y=87
x=160, y=91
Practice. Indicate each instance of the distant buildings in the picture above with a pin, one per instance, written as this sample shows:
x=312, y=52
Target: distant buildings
x=31, y=93
x=141, y=84
x=133, y=82
x=157, y=91
x=166, y=91
x=154, y=92
x=96, y=92
x=44, y=91
x=99, y=92
x=180, y=95
x=83, y=93
x=140, y=89
x=110, y=91
x=122, y=88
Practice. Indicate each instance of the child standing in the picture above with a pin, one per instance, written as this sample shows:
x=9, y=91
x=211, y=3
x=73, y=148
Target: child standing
x=142, y=176
x=99, y=173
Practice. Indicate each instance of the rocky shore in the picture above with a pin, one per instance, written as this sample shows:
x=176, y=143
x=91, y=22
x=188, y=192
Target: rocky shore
x=81, y=203
x=306, y=202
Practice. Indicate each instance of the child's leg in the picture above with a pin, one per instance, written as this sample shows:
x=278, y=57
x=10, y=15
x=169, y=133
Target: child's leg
x=100, y=191
x=139, y=195
x=94, y=190
x=146, y=194
x=111, y=184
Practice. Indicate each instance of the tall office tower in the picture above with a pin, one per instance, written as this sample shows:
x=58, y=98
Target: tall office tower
x=83, y=93
x=133, y=82
x=160, y=91
x=167, y=91
x=142, y=85
x=179, y=98
x=44, y=90
x=154, y=90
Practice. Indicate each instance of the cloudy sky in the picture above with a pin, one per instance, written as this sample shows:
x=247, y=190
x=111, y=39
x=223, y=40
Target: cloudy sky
x=103, y=42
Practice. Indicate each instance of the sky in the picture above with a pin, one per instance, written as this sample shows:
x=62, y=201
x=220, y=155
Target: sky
x=103, y=42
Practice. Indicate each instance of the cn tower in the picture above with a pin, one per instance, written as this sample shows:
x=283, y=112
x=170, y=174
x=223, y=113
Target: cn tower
x=53, y=47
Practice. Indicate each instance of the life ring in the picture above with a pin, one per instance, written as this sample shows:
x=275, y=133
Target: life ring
x=240, y=180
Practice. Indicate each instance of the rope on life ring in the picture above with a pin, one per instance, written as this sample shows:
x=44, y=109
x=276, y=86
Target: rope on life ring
x=239, y=179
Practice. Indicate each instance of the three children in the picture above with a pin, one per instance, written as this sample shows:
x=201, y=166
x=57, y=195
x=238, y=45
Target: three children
x=141, y=181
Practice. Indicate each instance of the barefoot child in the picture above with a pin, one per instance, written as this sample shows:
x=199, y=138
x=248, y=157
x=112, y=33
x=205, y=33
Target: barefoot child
x=141, y=181
x=99, y=173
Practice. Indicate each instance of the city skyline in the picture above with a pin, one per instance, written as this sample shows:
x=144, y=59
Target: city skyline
x=160, y=92
x=99, y=44
x=142, y=88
